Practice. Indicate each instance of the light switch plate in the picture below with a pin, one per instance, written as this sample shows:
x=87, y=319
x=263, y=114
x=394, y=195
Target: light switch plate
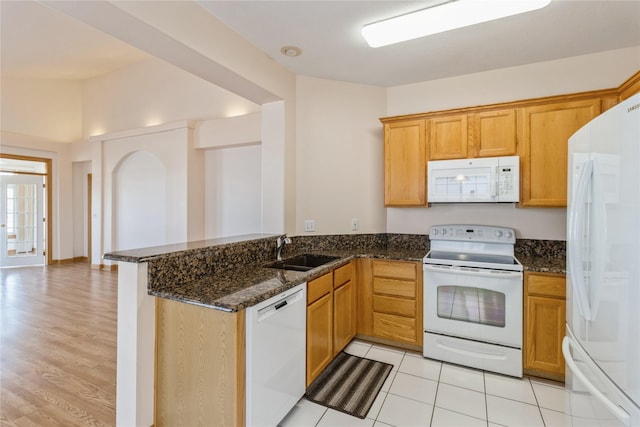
x=309, y=225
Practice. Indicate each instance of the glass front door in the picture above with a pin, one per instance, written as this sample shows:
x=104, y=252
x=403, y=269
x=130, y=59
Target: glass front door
x=22, y=230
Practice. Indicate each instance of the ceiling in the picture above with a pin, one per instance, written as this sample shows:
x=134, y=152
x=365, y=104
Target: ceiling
x=39, y=42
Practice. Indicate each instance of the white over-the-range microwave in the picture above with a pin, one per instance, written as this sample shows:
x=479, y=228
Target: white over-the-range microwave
x=481, y=180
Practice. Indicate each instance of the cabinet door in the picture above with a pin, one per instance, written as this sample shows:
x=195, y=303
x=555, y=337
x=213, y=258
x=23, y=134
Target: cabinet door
x=319, y=336
x=344, y=315
x=448, y=137
x=364, y=294
x=630, y=87
x=493, y=133
x=609, y=102
x=405, y=164
x=545, y=328
x=544, y=134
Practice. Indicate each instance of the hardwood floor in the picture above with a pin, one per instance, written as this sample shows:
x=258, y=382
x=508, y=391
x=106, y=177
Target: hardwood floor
x=57, y=346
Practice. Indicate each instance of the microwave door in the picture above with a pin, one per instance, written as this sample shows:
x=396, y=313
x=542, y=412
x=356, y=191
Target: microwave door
x=461, y=185
x=488, y=179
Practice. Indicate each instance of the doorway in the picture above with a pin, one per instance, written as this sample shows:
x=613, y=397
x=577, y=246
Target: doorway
x=25, y=210
x=22, y=234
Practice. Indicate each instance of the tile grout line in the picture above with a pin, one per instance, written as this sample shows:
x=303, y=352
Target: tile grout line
x=486, y=402
x=435, y=399
x=535, y=396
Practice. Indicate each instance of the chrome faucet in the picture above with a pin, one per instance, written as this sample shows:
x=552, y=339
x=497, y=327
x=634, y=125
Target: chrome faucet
x=282, y=240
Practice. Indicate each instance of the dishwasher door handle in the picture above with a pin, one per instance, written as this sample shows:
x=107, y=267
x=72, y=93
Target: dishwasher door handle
x=274, y=307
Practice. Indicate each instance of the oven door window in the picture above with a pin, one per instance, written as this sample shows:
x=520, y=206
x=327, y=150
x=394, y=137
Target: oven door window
x=474, y=305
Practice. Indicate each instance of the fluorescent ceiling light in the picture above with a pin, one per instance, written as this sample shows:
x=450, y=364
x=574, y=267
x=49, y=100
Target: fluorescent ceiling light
x=444, y=17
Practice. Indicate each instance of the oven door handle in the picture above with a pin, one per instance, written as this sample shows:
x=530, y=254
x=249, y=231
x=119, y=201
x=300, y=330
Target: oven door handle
x=475, y=272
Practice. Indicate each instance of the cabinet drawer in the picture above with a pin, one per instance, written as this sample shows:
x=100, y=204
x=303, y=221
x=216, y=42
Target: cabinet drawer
x=395, y=269
x=391, y=305
x=393, y=327
x=400, y=288
x=342, y=275
x=546, y=285
x=319, y=287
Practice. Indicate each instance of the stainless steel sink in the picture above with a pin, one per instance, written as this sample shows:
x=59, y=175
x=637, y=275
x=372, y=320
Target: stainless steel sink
x=303, y=262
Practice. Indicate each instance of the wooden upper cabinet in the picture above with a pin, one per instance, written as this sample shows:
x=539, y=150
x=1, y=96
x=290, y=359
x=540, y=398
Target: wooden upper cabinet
x=544, y=131
x=609, y=102
x=493, y=133
x=448, y=137
x=630, y=87
x=405, y=164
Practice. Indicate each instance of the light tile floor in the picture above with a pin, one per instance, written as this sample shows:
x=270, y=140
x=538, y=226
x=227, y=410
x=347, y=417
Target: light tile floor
x=425, y=392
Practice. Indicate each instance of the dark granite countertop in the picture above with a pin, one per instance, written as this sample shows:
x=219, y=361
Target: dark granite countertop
x=238, y=288
x=145, y=254
x=543, y=265
x=229, y=274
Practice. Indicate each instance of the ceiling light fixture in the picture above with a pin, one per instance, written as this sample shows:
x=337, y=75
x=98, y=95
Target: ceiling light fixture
x=444, y=17
x=291, y=51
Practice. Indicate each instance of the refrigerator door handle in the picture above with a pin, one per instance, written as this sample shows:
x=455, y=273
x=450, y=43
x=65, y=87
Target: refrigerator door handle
x=616, y=410
x=599, y=239
x=575, y=239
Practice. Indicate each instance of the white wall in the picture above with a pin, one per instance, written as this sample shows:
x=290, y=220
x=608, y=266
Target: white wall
x=233, y=188
x=45, y=109
x=339, y=156
x=171, y=145
x=152, y=92
x=80, y=190
x=139, y=202
x=62, y=213
x=602, y=70
x=583, y=73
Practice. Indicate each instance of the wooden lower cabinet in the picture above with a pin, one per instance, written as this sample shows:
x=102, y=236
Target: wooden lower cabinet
x=200, y=365
x=544, y=324
x=344, y=307
x=390, y=302
x=331, y=318
x=319, y=336
x=319, y=325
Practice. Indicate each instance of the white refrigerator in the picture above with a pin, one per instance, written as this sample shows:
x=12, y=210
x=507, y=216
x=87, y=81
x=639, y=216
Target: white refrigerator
x=602, y=342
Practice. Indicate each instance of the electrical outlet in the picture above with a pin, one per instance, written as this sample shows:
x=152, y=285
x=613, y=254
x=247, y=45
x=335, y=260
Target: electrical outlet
x=354, y=224
x=309, y=225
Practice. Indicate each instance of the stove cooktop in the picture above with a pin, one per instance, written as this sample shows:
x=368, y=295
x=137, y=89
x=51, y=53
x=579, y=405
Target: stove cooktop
x=476, y=246
x=473, y=260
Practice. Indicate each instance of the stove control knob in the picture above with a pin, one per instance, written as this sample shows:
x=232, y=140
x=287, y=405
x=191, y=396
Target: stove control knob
x=508, y=234
x=499, y=234
x=444, y=231
x=435, y=232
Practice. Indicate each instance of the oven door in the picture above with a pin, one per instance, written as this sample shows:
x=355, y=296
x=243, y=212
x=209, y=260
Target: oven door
x=472, y=303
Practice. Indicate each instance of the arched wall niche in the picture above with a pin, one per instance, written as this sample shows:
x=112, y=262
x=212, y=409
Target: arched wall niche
x=139, y=201
x=163, y=159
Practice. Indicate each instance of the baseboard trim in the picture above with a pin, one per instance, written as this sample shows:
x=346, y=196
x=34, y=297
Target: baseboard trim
x=70, y=260
x=112, y=267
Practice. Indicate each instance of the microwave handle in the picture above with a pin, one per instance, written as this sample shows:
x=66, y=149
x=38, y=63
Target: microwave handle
x=494, y=181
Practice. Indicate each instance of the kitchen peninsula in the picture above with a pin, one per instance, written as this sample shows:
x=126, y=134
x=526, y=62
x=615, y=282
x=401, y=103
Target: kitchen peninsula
x=211, y=283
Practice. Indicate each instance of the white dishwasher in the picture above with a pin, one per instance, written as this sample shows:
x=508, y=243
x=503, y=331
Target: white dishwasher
x=276, y=361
